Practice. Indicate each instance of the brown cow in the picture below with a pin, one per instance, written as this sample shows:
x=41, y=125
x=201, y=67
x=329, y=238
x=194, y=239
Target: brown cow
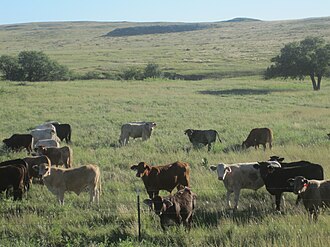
x=12, y=176
x=166, y=177
x=36, y=161
x=177, y=208
x=58, y=156
x=259, y=136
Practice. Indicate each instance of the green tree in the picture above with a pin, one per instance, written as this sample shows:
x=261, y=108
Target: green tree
x=10, y=68
x=309, y=57
x=32, y=66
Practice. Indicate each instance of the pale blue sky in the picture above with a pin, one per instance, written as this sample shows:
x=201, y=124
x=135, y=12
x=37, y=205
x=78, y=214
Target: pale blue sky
x=21, y=11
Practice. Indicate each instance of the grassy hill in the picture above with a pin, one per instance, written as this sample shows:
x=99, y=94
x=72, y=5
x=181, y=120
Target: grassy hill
x=227, y=49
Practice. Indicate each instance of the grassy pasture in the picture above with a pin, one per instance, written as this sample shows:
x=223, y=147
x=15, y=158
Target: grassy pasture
x=298, y=116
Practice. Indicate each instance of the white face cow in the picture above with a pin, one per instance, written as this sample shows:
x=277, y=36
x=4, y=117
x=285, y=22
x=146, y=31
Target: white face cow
x=43, y=169
x=222, y=171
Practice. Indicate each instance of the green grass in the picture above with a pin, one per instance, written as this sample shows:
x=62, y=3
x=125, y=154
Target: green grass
x=298, y=116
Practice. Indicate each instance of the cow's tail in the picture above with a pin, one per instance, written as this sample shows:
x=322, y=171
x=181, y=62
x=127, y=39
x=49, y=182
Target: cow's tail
x=218, y=136
x=270, y=138
x=69, y=134
x=70, y=158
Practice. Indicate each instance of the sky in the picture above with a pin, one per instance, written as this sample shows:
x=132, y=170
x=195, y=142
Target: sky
x=22, y=11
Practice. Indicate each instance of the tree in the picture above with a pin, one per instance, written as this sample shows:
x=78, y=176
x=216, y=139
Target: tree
x=32, y=66
x=309, y=57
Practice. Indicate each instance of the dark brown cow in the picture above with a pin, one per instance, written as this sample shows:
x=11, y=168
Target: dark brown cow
x=167, y=177
x=58, y=156
x=259, y=136
x=21, y=164
x=63, y=131
x=177, y=208
x=19, y=141
x=205, y=137
x=36, y=161
x=13, y=175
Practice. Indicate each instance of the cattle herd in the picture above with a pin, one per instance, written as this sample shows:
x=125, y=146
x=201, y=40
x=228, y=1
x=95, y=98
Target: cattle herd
x=303, y=178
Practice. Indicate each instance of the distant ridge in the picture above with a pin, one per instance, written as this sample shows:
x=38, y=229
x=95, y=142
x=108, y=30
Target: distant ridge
x=155, y=29
x=241, y=19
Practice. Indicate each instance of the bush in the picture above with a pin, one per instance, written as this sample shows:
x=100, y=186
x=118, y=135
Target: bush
x=132, y=74
x=32, y=66
x=152, y=71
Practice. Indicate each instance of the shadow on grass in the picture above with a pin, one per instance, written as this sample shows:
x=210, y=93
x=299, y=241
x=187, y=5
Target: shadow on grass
x=238, y=91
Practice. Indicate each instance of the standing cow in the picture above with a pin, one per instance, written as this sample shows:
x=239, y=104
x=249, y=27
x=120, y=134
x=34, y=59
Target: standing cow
x=175, y=208
x=238, y=176
x=136, y=130
x=63, y=131
x=58, y=156
x=18, y=141
x=259, y=136
x=60, y=180
x=42, y=134
x=205, y=137
x=167, y=177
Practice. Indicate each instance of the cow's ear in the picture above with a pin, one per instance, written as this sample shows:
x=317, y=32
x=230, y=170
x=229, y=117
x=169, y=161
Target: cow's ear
x=213, y=168
x=148, y=202
x=280, y=159
x=134, y=167
x=167, y=203
x=291, y=181
x=256, y=166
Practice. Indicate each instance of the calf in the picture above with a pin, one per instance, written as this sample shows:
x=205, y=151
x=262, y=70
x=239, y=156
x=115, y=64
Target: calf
x=205, y=137
x=238, y=176
x=276, y=177
x=58, y=156
x=259, y=136
x=19, y=141
x=314, y=193
x=167, y=177
x=60, y=180
x=176, y=208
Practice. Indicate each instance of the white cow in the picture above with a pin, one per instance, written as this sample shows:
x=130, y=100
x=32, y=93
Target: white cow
x=59, y=180
x=46, y=126
x=47, y=143
x=42, y=134
x=136, y=130
x=238, y=176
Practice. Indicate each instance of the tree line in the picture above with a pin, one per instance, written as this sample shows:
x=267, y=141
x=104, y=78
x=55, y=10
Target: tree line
x=297, y=60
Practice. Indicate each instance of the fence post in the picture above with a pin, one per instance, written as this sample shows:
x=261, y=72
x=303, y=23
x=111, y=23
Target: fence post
x=139, y=214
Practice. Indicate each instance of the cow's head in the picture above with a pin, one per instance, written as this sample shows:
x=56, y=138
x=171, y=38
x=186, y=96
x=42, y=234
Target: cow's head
x=142, y=169
x=42, y=169
x=276, y=158
x=41, y=150
x=267, y=167
x=151, y=125
x=222, y=171
x=5, y=141
x=188, y=132
x=299, y=184
x=159, y=204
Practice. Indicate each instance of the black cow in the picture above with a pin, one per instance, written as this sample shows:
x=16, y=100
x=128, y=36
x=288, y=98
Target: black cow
x=276, y=176
x=177, y=208
x=63, y=131
x=19, y=141
x=20, y=163
x=205, y=137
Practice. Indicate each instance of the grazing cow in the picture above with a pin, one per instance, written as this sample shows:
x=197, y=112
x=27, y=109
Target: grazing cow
x=314, y=193
x=42, y=134
x=59, y=180
x=47, y=143
x=63, y=131
x=238, y=176
x=259, y=136
x=36, y=161
x=58, y=156
x=18, y=141
x=21, y=164
x=205, y=137
x=136, y=130
x=167, y=177
x=276, y=177
x=12, y=176
x=46, y=126
x=175, y=208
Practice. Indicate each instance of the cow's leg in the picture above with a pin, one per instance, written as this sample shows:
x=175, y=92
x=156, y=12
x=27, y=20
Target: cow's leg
x=228, y=198
x=236, y=193
x=264, y=145
x=60, y=197
x=270, y=145
x=209, y=147
x=278, y=201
